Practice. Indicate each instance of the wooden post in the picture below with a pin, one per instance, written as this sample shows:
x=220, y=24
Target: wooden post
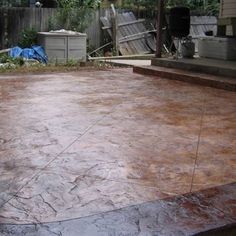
x=159, y=42
x=115, y=38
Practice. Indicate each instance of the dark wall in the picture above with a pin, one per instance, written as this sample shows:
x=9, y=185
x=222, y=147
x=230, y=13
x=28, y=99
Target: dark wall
x=49, y=3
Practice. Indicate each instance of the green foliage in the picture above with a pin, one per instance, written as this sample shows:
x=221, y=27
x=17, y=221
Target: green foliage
x=212, y=7
x=148, y=4
x=208, y=7
x=4, y=58
x=78, y=3
x=18, y=61
x=9, y=60
x=73, y=14
x=28, y=38
x=72, y=62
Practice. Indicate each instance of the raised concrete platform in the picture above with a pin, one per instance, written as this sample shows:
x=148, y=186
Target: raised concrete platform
x=200, y=65
x=219, y=82
x=128, y=63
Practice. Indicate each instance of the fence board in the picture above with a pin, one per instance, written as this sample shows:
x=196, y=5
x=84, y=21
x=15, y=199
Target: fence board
x=22, y=18
x=133, y=38
x=93, y=31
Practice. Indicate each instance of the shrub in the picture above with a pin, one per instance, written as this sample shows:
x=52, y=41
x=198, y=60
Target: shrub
x=28, y=38
x=6, y=59
x=73, y=14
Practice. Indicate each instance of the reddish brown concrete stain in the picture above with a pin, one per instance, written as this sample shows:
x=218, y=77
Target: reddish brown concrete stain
x=72, y=142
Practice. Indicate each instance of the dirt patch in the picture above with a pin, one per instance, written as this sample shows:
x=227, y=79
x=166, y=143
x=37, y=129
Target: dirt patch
x=40, y=69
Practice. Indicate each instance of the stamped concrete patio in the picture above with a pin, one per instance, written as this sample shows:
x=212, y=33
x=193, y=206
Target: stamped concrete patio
x=78, y=144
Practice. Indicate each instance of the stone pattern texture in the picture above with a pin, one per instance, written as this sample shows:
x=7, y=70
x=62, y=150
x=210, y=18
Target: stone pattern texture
x=77, y=144
x=190, y=214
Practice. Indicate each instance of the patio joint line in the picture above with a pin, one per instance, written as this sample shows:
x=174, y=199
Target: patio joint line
x=198, y=142
x=78, y=138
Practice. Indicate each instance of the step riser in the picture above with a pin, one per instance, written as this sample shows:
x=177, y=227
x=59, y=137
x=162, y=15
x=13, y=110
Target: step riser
x=185, y=78
x=212, y=70
x=228, y=230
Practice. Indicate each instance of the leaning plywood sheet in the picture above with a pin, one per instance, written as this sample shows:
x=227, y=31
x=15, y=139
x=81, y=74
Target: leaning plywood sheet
x=200, y=25
x=133, y=37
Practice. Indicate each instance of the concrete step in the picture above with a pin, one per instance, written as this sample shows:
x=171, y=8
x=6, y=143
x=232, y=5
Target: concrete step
x=219, y=82
x=199, y=65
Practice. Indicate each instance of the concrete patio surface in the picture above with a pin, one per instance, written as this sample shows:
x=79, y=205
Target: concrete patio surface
x=74, y=145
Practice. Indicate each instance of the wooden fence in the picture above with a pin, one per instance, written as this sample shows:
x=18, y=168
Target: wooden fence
x=14, y=20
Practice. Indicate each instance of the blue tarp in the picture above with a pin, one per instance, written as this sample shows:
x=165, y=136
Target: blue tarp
x=35, y=52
